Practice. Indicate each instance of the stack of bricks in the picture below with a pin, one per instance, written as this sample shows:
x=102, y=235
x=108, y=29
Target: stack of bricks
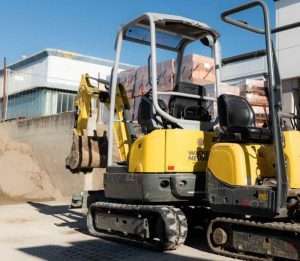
x=255, y=93
x=199, y=70
x=136, y=83
x=196, y=69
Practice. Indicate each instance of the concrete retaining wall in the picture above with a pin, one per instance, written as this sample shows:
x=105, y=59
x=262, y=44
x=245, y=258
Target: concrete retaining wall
x=50, y=139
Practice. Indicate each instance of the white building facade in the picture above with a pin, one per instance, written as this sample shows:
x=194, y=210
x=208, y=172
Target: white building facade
x=288, y=53
x=46, y=83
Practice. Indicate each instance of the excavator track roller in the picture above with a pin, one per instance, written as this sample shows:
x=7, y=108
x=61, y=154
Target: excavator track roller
x=251, y=240
x=161, y=227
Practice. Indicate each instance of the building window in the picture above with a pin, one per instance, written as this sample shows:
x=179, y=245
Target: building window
x=64, y=106
x=59, y=103
x=65, y=102
x=71, y=102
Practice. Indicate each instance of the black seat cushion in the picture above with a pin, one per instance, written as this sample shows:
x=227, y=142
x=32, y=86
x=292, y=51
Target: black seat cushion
x=237, y=121
x=235, y=111
x=189, y=108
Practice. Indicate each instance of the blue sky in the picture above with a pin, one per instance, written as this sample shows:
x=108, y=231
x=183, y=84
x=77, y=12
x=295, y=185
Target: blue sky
x=89, y=27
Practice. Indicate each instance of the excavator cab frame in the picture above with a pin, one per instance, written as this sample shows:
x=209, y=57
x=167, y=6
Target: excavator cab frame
x=172, y=33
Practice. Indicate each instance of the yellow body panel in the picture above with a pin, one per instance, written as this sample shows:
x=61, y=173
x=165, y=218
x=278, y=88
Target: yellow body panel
x=292, y=155
x=187, y=150
x=245, y=164
x=147, y=153
x=227, y=162
x=174, y=150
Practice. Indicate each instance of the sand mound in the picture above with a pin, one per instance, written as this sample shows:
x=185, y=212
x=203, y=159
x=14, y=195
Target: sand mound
x=21, y=177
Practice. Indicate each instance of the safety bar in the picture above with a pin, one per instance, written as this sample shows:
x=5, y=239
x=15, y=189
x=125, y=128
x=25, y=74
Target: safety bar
x=258, y=53
x=244, y=57
x=285, y=27
x=187, y=95
x=225, y=16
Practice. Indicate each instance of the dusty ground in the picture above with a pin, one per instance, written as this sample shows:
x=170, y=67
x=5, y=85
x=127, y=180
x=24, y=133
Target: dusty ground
x=50, y=231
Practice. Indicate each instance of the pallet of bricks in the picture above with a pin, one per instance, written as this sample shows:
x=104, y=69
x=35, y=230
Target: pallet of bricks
x=196, y=69
x=255, y=91
x=136, y=83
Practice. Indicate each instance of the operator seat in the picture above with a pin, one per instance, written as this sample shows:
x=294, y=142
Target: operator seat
x=148, y=119
x=237, y=121
x=189, y=108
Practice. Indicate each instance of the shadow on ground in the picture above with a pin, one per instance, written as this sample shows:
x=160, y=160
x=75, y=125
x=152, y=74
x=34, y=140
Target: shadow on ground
x=103, y=249
x=197, y=239
x=63, y=213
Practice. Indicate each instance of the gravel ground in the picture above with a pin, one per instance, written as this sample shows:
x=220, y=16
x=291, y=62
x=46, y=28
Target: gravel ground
x=51, y=231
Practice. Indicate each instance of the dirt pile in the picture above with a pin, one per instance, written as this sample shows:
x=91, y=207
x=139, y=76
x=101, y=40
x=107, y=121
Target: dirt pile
x=21, y=177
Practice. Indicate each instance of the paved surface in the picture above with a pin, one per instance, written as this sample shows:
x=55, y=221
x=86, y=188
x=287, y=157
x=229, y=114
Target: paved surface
x=50, y=231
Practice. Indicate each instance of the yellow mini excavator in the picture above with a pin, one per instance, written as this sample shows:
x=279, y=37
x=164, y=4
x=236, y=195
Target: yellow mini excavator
x=242, y=182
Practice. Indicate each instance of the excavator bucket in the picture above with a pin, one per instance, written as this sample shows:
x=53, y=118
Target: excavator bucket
x=87, y=152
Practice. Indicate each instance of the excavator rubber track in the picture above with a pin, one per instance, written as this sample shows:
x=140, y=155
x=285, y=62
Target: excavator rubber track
x=251, y=240
x=161, y=227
